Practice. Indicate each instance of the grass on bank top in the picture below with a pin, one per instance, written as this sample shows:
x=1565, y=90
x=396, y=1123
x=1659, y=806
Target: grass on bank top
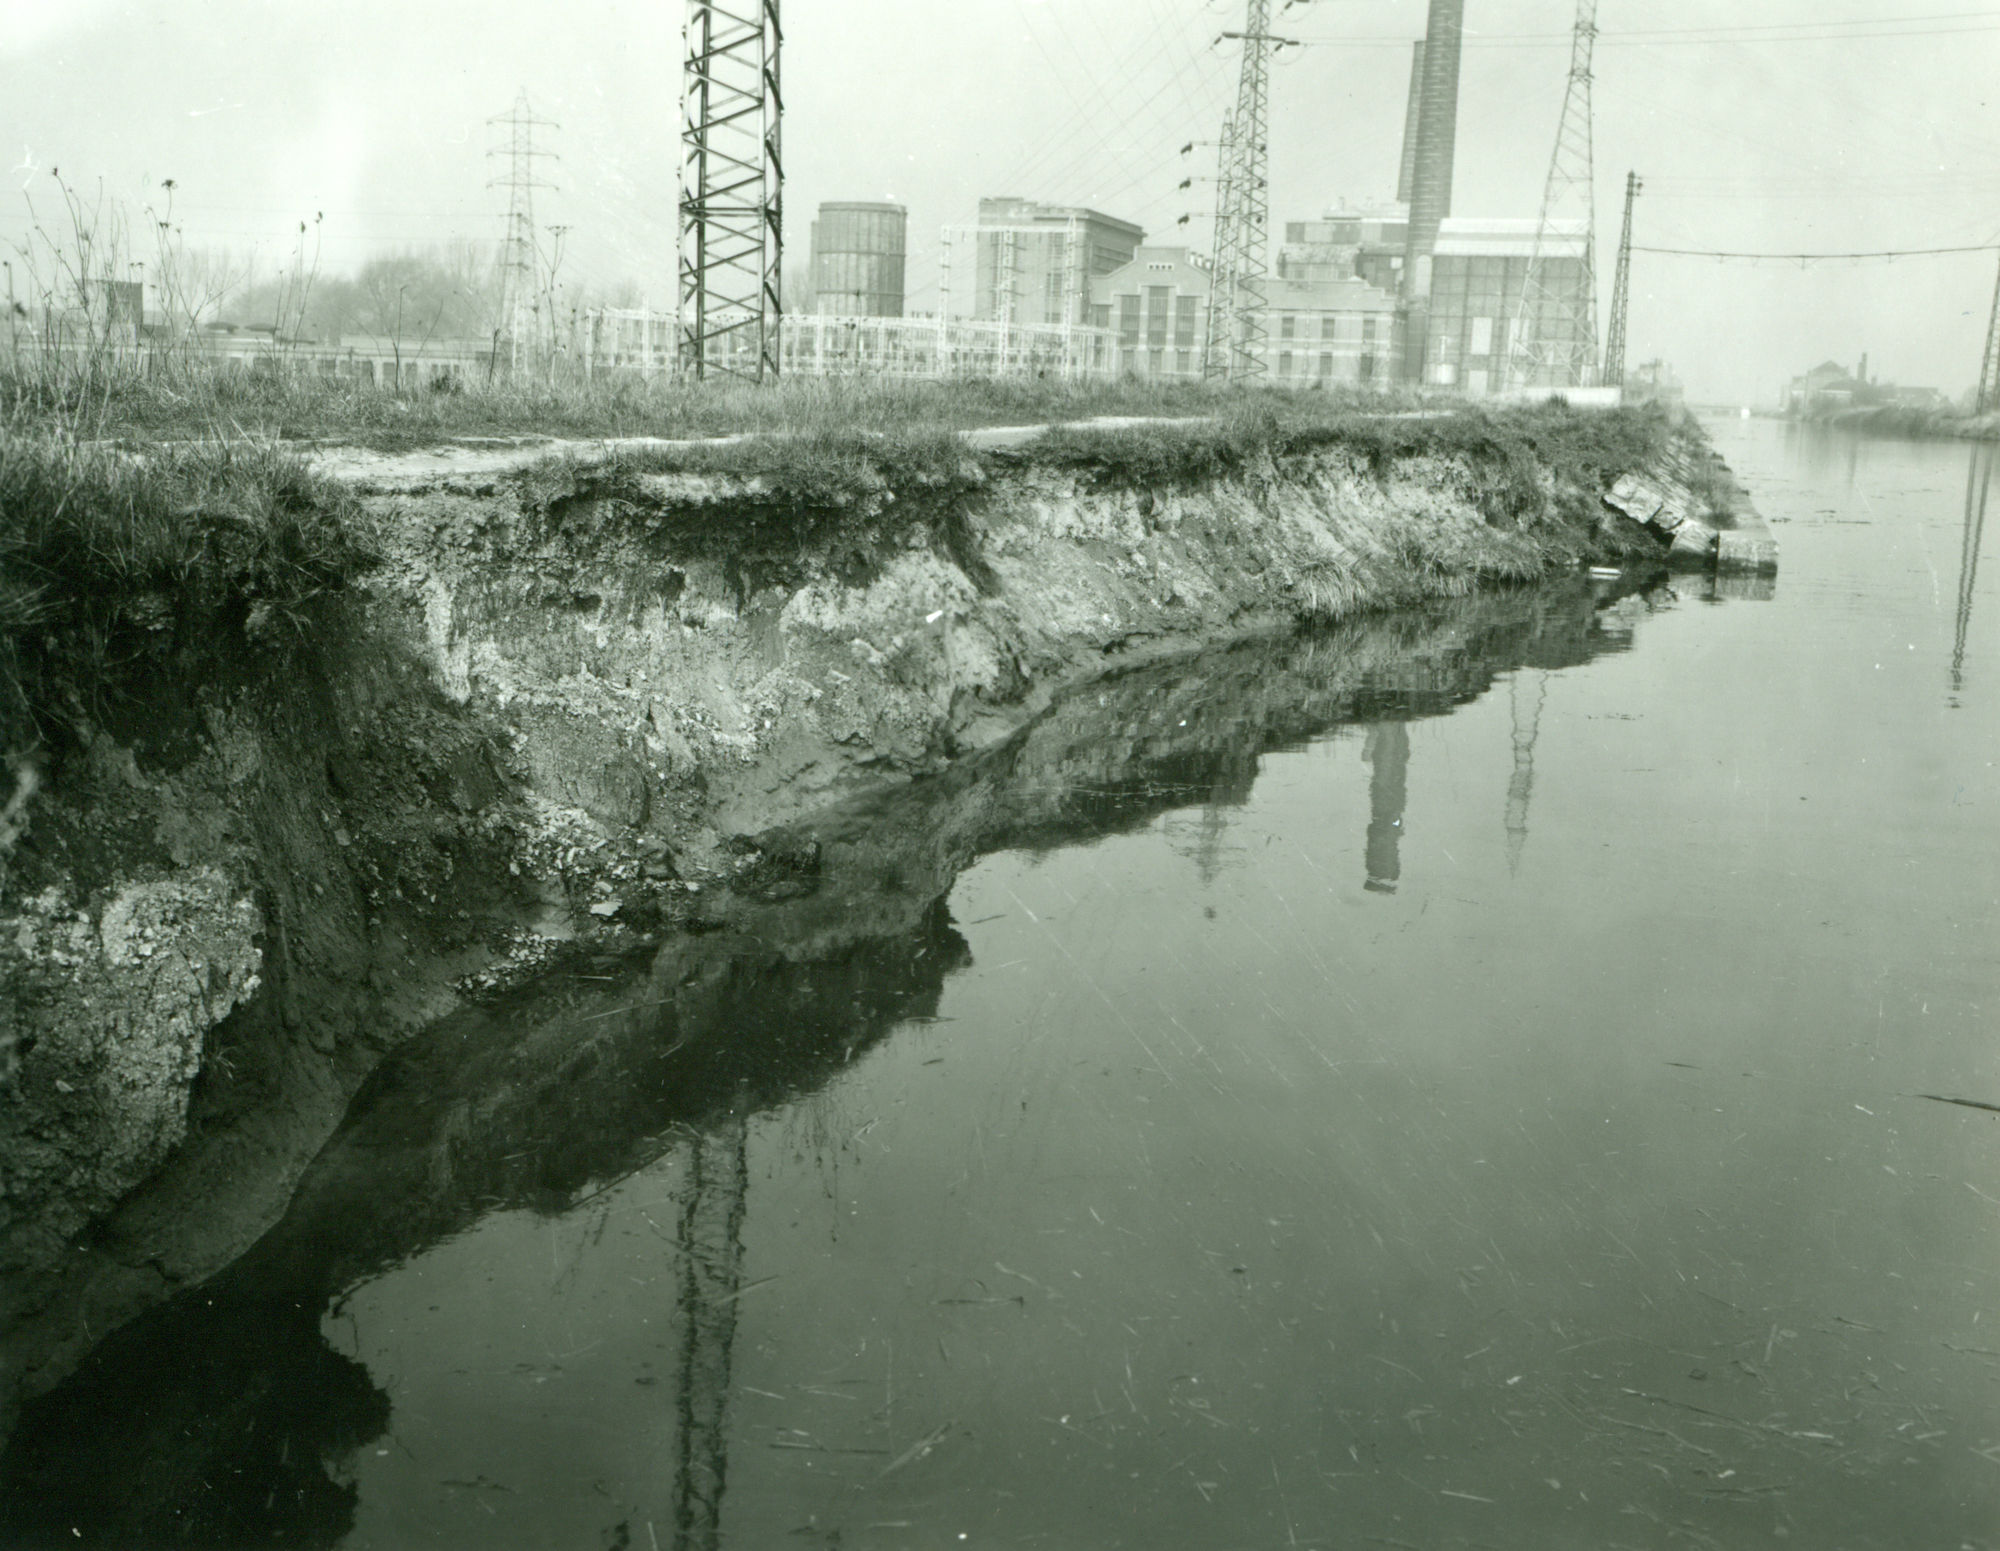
x=114, y=569
x=177, y=518
x=201, y=401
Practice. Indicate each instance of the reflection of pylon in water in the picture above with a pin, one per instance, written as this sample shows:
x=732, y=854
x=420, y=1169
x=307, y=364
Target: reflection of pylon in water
x=710, y=1241
x=1978, y=478
x=1527, y=727
x=1214, y=824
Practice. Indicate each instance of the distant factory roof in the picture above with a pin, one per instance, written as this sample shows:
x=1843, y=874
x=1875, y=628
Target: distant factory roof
x=1009, y=209
x=1508, y=237
x=1348, y=294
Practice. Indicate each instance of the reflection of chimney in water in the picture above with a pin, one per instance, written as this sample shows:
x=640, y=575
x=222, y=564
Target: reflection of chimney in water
x=1386, y=748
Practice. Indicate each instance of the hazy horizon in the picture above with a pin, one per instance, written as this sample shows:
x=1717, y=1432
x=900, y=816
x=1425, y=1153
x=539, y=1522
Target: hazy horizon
x=1780, y=129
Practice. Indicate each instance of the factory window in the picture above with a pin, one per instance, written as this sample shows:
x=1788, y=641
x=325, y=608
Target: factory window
x=1183, y=362
x=1482, y=336
x=1327, y=329
x=1288, y=327
x=1368, y=368
x=1184, y=320
x=1326, y=363
x=1369, y=325
x=1128, y=318
x=1285, y=364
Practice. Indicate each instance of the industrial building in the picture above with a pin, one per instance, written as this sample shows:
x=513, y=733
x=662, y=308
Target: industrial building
x=1448, y=288
x=1330, y=331
x=1156, y=306
x=1034, y=263
x=1322, y=330
x=1478, y=269
x=858, y=254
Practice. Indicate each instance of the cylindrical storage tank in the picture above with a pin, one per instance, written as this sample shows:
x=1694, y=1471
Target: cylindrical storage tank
x=857, y=259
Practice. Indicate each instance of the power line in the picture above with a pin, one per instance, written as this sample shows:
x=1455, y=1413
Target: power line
x=1809, y=258
x=1670, y=37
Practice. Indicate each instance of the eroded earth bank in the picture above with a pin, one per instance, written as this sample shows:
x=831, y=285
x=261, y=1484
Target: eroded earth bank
x=600, y=742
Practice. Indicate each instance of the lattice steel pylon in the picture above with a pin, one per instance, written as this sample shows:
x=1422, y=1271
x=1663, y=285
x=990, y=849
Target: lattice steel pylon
x=1621, y=292
x=1236, y=329
x=732, y=190
x=1554, y=339
x=1987, y=398
x=1221, y=288
x=519, y=265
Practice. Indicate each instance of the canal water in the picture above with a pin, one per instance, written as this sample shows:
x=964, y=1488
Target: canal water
x=1486, y=1079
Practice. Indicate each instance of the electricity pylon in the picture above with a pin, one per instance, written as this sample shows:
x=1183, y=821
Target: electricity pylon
x=731, y=190
x=1236, y=329
x=1215, y=357
x=519, y=266
x=1621, y=292
x=1988, y=396
x=1555, y=332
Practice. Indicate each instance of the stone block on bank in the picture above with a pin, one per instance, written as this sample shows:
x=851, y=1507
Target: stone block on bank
x=1694, y=540
x=1637, y=497
x=1746, y=551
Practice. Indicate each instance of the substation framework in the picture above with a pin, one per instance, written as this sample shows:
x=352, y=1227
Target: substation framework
x=1015, y=345
x=1570, y=358
x=731, y=230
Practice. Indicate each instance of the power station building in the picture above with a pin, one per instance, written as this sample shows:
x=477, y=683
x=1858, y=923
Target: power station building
x=1335, y=329
x=858, y=255
x=1453, y=285
x=1034, y=263
x=1478, y=271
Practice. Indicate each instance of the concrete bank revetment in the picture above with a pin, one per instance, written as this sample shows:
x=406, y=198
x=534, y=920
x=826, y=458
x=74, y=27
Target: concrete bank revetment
x=588, y=702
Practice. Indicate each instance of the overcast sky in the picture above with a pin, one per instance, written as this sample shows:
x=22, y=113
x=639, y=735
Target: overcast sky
x=375, y=114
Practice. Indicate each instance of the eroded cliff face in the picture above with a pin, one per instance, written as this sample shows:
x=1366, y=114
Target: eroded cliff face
x=578, y=710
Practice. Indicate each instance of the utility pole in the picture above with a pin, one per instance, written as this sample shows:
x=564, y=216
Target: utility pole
x=1621, y=292
x=731, y=190
x=518, y=267
x=1236, y=328
x=1555, y=333
x=1988, y=396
